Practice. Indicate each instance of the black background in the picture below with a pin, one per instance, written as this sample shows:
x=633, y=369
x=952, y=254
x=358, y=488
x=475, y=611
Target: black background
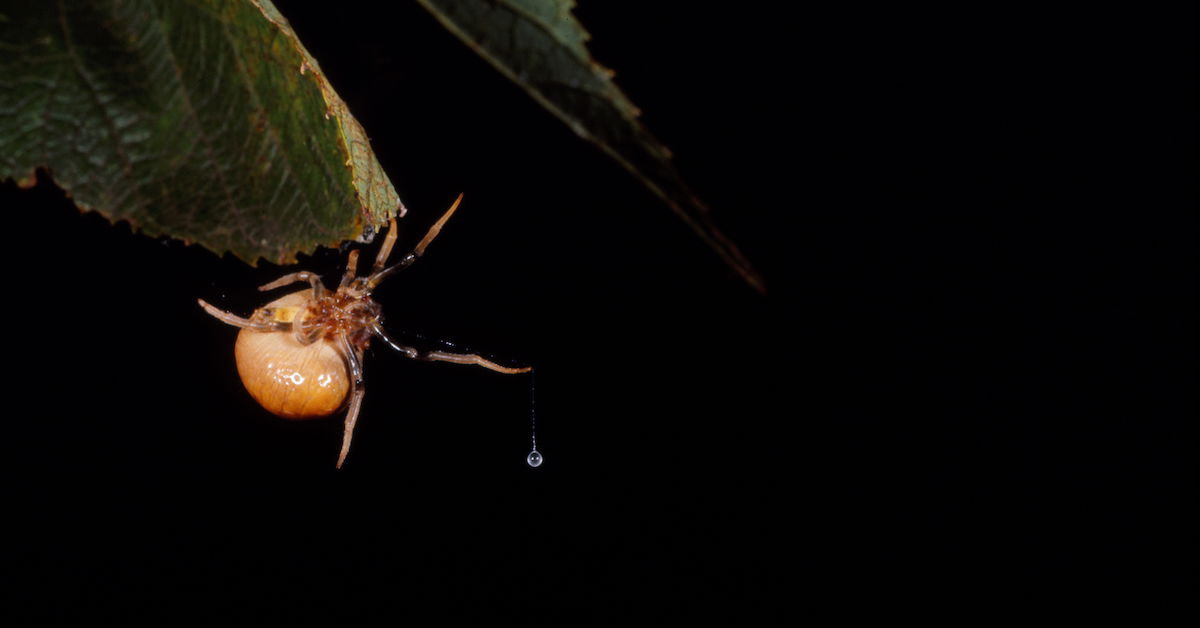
x=964, y=394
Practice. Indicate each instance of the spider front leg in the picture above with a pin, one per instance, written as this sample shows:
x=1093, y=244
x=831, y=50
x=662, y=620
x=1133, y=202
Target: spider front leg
x=244, y=323
x=354, y=364
x=352, y=265
x=313, y=280
x=444, y=356
x=379, y=273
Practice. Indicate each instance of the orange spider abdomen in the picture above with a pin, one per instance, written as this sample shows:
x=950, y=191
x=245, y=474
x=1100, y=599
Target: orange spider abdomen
x=290, y=379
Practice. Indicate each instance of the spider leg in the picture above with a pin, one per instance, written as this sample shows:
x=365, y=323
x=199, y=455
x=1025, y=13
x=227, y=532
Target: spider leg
x=436, y=228
x=443, y=356
x=472, y=358
x=378, y=274
x=354, y=361
x=238, y=321
x=313, y=280
x=351, y=268
x=385, y=251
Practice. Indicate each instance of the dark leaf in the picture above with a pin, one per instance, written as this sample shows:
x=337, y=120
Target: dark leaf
x=539, y=45
x=204, y=120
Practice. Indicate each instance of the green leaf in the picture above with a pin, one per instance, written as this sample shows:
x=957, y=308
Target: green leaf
x=204, y=120
x=539, y=45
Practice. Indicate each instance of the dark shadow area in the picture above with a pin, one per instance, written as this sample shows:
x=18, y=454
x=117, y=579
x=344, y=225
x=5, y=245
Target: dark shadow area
x=966, y=388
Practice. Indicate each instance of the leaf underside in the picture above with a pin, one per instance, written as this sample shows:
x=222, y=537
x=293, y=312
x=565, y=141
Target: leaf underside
x=539, y=45
x=204, y=120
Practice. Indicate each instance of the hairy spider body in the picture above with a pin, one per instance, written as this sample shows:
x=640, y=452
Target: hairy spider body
x=301, y=355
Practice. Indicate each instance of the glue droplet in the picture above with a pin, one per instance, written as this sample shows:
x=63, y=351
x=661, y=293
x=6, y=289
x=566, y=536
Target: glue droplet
x=534, y=459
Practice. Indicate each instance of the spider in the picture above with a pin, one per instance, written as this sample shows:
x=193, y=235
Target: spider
x=301, y=355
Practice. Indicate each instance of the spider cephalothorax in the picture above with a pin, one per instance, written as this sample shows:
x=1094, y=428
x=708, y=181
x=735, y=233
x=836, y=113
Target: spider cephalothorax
x=300, y=356
x=346, y=312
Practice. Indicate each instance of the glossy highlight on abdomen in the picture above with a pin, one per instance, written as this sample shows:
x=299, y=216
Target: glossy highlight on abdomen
x=291, y=380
